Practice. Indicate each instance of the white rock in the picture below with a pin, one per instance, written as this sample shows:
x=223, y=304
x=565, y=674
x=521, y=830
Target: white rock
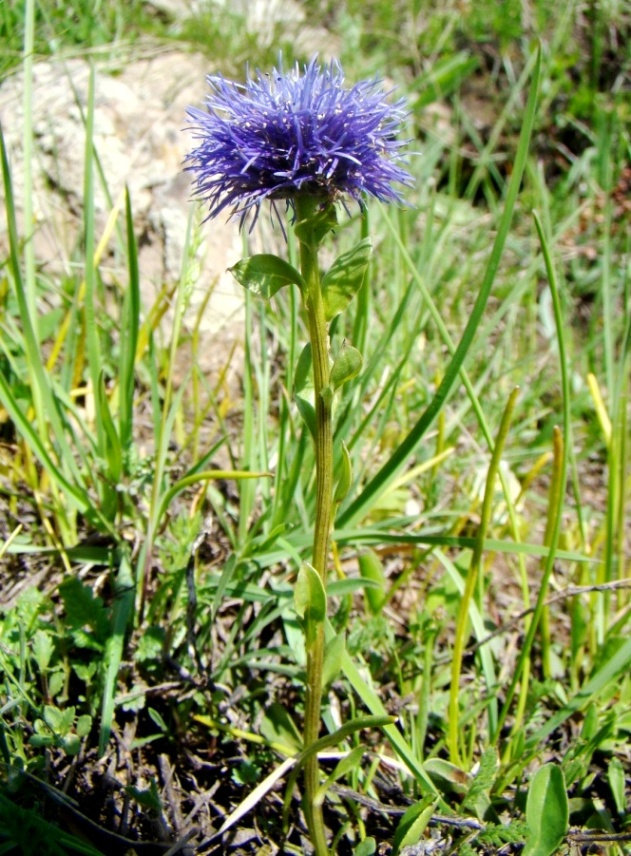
x=141, y=142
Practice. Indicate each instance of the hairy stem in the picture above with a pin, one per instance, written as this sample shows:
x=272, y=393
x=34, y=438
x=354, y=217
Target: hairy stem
x=318, y=333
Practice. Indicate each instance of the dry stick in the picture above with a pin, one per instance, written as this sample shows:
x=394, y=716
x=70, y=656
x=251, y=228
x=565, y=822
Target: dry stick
x=574, y=836
x=570, y=591
x=397, y=810
x=102, y=838
x=597, y=837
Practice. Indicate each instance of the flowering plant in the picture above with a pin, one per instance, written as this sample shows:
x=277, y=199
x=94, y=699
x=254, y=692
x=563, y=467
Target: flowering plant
x=303, y=137
x=287, y=134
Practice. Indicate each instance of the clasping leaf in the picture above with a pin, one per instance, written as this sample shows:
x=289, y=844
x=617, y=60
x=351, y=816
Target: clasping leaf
x=344, y=278
x=344, y=475
x=265, y=274
x=346, y=366
x=310, y=599
x=303, y=367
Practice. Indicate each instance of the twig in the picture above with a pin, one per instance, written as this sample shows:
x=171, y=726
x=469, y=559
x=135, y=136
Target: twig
x=397, y=811
x=166, y=770
x=575, y=836
x=102, y=838
x=570, y=591
x=180, y=845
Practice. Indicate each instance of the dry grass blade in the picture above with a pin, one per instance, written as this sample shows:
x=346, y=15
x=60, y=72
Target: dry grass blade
x=254, y=797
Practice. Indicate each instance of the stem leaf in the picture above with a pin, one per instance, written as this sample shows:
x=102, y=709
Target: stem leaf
x=344, y=278
x=310, y=599
x=264, y=274
x=344, y=475
x=333, y=653
x=345, y=765
x=303, y=367
x=346, y=366
x=307, y=411
x=316, y=224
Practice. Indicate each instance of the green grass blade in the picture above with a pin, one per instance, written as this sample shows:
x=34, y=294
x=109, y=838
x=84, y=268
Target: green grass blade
x=397, y=461
x=129, y=334
x=114, y=646
x=605, y=677
x=494, y=545
x=111, y=449
x=27, y=161
x=73, y=491
x=563, y=439
x=246, y=488
x=194, y=478
x=45, y=404
x=91, y=330
x=467, y=596
x=374, y=704
x=472, y=394
x=107, y=439
x=484, y=158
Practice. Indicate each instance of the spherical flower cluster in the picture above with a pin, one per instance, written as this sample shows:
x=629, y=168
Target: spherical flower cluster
x=295, y=132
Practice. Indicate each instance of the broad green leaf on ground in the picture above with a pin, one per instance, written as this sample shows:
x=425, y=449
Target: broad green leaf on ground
x=547, y=812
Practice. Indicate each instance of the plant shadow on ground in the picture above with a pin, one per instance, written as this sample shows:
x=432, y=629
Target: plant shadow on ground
x=206, y=691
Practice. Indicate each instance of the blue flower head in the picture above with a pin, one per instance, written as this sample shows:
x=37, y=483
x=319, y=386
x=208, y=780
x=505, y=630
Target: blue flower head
x=296, y=132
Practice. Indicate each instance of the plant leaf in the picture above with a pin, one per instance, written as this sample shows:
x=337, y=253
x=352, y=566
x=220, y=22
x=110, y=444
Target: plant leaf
x=264, y=274
x=307, y=411
x=84, y=608
x=130, y=325
x=122, y=617
x=344, y=278
x=412, y=824
x=278, y=727
x=59, y=721
x=333, y=652
x=310, y=599
x=344, y=475
x=448, y=776
x=346, y=366
x=43, y=648
x=321, y=222
x=547, y=811
x=371, y=568
x=348, y=762
x=367, y=847
x=616, y=779
x=303, y=367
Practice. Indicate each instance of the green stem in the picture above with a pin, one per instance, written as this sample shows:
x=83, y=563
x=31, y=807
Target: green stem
x=318, y=333
x=472, y=577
